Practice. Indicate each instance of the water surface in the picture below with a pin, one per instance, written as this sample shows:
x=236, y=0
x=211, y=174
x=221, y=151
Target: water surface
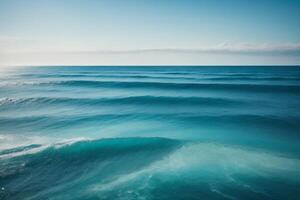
x=150, y=133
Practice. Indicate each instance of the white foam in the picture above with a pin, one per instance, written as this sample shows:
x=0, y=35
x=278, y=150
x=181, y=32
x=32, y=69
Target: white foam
x=10, y=142
x=16, y=141
x=71, y=141
x=205, y=159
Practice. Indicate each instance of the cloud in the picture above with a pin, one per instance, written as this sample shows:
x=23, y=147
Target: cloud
x=224, y=48
x=248, y=48
x=33, y=53
x=9, y=44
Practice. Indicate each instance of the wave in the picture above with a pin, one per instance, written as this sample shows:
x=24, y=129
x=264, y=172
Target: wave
x=53, y=122
x=177, y=86
x=136, y=168
x=173, y=76
x=159, y=85
x=269, y=87
x=70, y=165
x=210, y=170
x=131, y=100
x=18, y=149
x=243, y=126
x=247, y=78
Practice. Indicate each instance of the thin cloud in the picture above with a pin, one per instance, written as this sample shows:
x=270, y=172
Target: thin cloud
x=24, y=46
x=224, y=48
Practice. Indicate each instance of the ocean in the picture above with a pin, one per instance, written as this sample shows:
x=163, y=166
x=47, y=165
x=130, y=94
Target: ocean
x=150, y=132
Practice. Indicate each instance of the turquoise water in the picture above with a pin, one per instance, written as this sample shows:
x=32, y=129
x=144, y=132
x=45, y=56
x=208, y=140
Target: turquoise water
x=150, y=133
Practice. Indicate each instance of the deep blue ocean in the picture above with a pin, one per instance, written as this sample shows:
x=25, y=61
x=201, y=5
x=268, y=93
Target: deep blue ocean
x=150, y=133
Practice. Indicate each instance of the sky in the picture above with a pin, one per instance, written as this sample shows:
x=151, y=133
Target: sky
x=149, y=32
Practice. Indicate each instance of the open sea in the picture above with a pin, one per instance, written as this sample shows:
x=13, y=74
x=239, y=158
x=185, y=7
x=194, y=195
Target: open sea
x=150, y=133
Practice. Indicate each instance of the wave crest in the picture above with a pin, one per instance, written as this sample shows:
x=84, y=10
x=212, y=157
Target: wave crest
x=143, y=166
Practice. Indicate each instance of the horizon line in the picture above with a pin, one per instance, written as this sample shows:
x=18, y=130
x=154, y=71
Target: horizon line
x=164, y=65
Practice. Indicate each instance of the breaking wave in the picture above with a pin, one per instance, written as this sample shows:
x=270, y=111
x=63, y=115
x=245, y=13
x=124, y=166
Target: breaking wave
x=140, y=168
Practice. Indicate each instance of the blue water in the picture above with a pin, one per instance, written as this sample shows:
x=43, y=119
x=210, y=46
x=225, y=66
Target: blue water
x=150, y=133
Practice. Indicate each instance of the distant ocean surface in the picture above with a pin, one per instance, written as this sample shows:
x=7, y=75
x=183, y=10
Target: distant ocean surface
x=150, y=133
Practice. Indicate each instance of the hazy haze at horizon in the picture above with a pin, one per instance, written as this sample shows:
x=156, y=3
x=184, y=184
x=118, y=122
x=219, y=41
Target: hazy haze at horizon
x=149, y=32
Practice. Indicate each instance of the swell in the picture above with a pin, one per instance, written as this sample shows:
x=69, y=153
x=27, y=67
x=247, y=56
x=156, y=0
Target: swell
x=272, y=123
x=268, y=87
x=103, y=148
x=180, y=76
x=178, y=86
x=67, y=166
x=131, y=100
x=111, y=168
x=211, y=170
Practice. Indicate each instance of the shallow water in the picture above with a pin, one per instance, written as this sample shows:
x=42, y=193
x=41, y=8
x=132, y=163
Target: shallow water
x=150, y=133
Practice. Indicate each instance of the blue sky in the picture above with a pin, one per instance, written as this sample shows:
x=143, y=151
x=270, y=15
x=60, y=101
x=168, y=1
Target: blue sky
x=149, y=32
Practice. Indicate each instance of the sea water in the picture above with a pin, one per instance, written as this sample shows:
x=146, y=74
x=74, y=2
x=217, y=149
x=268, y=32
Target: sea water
x=133, y=132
